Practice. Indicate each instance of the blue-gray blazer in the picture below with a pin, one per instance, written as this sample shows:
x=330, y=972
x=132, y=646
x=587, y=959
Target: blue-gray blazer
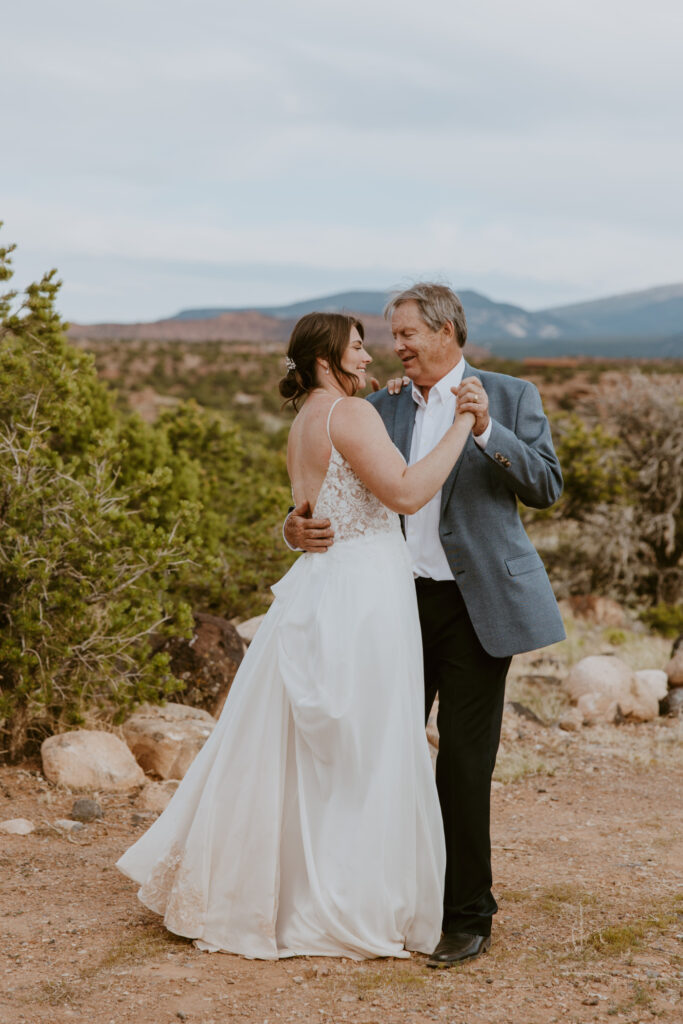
x=499, y=572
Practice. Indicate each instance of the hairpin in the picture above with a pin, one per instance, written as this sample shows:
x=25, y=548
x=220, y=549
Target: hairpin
x=290, y=364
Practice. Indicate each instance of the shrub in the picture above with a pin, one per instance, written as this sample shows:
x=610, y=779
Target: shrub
x=624, y=488
x=84, y=570
x=666, y=619
x=111, y=529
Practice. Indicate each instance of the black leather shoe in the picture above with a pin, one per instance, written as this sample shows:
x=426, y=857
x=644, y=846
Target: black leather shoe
x=457, y=946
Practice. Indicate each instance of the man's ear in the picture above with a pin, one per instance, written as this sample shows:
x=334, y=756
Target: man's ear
x=448, y=331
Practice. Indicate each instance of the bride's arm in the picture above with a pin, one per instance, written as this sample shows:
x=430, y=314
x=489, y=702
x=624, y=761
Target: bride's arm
x=358, y=433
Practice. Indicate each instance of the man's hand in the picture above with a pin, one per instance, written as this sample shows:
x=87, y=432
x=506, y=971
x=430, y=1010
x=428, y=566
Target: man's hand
x=472, y=398
x=305, y=533
x=394, y=385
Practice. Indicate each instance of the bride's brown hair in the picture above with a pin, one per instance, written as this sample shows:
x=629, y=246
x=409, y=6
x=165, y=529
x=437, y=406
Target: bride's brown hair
x=318, y=336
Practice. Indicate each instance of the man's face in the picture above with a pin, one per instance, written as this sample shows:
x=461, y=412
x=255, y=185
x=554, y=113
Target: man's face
x=427, y=355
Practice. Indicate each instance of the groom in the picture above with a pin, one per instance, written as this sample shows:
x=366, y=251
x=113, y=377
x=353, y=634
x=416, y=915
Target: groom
x=482, y=590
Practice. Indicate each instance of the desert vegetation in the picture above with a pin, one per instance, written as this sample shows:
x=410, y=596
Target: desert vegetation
x=113, y=528
x=143, y=480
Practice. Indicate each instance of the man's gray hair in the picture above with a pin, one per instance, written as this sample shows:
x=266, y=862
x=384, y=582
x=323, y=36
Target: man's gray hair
x=437, y=305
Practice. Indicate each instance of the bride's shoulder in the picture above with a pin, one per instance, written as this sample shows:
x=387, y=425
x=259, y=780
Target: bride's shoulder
x=352, y=403
x=354, y=418
x=353, y=409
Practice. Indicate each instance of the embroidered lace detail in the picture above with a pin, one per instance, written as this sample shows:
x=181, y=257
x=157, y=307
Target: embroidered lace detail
x=353, y=510
x=169, y=891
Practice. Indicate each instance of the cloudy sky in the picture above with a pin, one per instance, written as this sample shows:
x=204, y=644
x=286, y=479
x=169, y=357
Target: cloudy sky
x=215, y=152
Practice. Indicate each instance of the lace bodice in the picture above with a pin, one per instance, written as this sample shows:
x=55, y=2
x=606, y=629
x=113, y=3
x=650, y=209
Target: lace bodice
x=351, y=507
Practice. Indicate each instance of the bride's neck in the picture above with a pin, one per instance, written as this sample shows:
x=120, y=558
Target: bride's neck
x=332, y=389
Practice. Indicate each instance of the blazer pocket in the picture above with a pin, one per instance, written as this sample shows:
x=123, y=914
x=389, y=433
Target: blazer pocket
x=524, y=563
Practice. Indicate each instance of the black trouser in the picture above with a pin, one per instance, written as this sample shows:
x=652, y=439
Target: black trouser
x=471, y=688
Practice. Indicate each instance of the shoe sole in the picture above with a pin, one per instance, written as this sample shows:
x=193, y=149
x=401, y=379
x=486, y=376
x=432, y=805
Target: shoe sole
x=445, y=964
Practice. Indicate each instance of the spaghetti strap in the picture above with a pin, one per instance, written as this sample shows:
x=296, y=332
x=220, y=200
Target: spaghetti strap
x=329, y=417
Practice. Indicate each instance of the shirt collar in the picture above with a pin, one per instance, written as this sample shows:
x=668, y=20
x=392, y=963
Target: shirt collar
x=442, y=388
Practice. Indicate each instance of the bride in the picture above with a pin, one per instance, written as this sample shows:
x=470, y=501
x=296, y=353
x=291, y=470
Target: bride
x=309, y=823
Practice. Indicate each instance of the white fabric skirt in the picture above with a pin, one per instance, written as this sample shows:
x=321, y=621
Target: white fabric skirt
x=309, y=823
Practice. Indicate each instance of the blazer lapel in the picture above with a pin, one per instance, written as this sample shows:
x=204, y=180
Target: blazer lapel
x=404, y=421
x=447, y=488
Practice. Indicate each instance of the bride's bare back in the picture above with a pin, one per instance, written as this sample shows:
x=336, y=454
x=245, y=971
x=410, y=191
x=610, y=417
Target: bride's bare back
x=309, y=449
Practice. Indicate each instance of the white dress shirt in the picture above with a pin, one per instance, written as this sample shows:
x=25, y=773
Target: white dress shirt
x=433, y=417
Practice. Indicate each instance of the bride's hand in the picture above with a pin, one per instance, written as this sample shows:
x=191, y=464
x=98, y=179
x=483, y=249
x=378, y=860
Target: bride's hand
x=472, y=398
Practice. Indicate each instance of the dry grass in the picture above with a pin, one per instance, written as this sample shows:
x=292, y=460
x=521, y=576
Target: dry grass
x=548, y=701
x=556, y=897
x=58, y=993
x=393, y=979
x=151, y=942
x=638, y=648
x=515, y=764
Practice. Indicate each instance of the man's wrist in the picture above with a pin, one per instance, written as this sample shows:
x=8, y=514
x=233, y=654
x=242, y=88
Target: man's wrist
x=481, y=440
x=284, y=527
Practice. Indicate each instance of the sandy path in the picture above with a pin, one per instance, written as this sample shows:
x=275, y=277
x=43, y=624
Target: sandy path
x=587, y=863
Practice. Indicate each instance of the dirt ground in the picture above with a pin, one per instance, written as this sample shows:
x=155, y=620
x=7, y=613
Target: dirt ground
x=587, y=857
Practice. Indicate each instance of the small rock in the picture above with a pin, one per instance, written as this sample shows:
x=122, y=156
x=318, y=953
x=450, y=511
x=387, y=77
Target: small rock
x=156, y=796
x=181, y=1016
x=522, y=711
x=165, y=740
x=674, y=669
x=672, y=704
x=602, y=674
x=247, y=630
x=297, y=978
x=595, y=707
x=91, y=760
x=17, y=826
x=590, y=1001
x=85, y=809
x=69, y=825
x=138, y=818
x=649, y=688
x=571, y=720
x=606, y=690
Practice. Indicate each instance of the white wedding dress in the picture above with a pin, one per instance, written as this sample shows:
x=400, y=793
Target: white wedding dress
x=309, y=822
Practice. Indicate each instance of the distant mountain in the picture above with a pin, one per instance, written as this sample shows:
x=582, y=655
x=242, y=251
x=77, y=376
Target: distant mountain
x=654, y=312
x=372, y=303
x=647, y=324
x=486, y=319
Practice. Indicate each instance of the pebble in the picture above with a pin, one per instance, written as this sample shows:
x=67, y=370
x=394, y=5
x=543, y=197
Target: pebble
x=85, y=809
x=181, y=1016
x=69, y=824
x=17, y=826
x=139, y=818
